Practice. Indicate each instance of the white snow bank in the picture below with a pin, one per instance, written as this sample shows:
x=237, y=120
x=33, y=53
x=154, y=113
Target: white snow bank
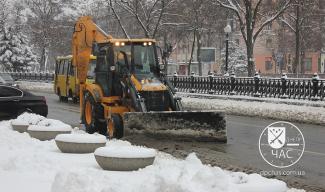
x=125, y=152
x=305, y=114
x=38, y=166
x=81, y=138
x=167, y=174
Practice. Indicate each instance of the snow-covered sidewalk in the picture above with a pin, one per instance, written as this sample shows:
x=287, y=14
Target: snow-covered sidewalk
x=280, y=111
x=299, y=102
x=27, y=164
x=36, y=86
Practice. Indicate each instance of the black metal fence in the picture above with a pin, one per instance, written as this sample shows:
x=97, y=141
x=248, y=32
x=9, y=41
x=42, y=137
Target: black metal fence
x=293, y=88
x=32, y=76
x=303, y=88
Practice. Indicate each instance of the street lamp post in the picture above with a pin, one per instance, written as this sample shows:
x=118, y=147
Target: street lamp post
x=227, y=30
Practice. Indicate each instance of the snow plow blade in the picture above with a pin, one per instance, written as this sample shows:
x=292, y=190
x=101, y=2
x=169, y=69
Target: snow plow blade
x=203, y=126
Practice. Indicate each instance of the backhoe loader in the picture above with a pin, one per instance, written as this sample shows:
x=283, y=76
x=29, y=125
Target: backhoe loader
x=131, y=92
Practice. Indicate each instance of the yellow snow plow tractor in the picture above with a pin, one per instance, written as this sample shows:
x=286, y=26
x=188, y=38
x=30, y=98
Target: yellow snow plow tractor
x=130, y=92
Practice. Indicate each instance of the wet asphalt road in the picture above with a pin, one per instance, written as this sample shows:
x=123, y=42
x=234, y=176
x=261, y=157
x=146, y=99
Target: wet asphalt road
x=242, y=147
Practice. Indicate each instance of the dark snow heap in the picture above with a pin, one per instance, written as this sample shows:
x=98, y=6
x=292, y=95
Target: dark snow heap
x=15, y=52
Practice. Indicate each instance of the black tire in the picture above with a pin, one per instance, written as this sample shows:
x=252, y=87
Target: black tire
x=97, y=123
x=59, y=94
x=118, y=126
x=70, y=93
x=62, y=98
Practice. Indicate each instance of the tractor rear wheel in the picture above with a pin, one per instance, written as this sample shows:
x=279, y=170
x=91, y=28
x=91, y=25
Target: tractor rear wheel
x=93, y=115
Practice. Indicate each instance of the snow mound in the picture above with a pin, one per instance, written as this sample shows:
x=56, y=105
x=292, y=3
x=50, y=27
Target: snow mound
x=53, y=125
x=125, y=151
x=30, y=118
x=40, y=123
x=81, y=138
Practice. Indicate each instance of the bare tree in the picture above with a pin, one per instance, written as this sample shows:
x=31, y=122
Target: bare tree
x=252, y=19
x=202, y=21
x=112, y=7
x=48, y=29
x=301, y=18
x=148, y=14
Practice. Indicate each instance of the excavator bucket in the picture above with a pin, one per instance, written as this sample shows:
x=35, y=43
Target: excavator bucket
x=203, y=126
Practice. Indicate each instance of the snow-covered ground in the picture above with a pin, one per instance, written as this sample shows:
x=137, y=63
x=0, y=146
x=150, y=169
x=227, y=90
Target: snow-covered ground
x=36, y=86
x=27, y=164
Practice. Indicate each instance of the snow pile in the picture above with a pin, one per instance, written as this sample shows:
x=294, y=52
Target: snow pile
x=40, y=123
x=166, y=174
x=51, y=125
x=305, y=114
x=38, y=166
x=81, y=138
x=36, y=86
x=30, y=118
x=124, y=150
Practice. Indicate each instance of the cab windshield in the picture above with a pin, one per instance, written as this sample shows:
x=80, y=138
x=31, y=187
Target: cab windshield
x=140, y=58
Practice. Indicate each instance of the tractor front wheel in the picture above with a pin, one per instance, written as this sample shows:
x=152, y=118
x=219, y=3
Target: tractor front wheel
x=93, y=115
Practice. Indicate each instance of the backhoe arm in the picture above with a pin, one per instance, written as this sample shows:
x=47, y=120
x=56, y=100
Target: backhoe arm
x=86, y=32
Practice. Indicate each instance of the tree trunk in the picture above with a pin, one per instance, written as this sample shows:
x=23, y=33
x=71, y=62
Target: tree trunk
x=192, y=52
x=296, y=63
x=250, y=53
x=198, y=52
x=250, y=44
x=250, y=60
x=165, y=58
x=43, y=58
x=302, y=59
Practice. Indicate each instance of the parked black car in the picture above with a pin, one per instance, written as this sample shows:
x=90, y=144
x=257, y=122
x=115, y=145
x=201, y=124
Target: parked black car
x=15, y=101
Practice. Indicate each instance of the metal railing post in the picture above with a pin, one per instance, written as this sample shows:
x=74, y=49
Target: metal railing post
x=315, y=80
x=232, y=86
x=284, y=79
x=211, y=91
x=192, y=90
x=175, y=80
x=256, y=85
